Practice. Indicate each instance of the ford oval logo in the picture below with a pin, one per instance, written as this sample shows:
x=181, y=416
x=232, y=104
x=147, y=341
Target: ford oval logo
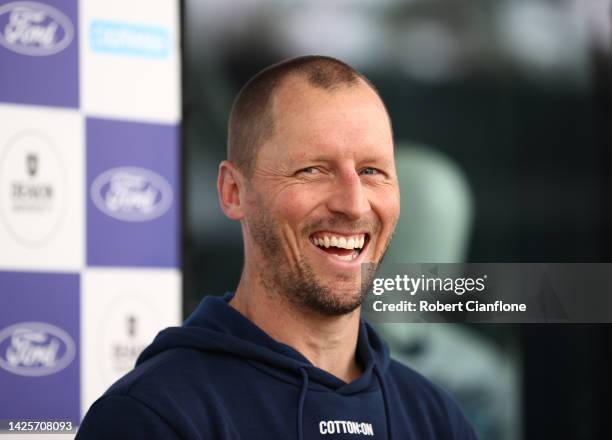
x=35, y=349
x=131, y=194
x=35, y=29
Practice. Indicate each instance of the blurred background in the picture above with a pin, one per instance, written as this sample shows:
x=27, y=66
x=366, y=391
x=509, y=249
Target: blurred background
x=501, y=112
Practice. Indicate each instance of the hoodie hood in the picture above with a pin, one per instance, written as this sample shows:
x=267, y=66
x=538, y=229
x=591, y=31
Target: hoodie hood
x=220, y=376
x=215, y=326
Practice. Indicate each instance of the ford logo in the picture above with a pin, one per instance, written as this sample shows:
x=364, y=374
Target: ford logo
x=131, y=194
x=35, y=29
x=35, y=349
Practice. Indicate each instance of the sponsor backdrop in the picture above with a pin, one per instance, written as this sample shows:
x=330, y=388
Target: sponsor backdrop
x=89, y=196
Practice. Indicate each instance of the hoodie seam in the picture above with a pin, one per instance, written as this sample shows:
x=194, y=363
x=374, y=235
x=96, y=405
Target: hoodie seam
x=297, y=385
x=151, y=371
x=261, y=370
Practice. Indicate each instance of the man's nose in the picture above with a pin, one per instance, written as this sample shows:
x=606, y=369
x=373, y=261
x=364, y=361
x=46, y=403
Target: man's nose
x=348, y=196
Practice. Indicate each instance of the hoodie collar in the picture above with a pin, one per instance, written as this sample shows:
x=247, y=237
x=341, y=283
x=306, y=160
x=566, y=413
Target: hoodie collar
x=218, y=327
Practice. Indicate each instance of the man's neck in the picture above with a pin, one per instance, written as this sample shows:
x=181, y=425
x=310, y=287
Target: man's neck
x=328, y=342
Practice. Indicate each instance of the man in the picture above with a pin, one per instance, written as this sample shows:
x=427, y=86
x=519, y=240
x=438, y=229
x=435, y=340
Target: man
x=311, y=177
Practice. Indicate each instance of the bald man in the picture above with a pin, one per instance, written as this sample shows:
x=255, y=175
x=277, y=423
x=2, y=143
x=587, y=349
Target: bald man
x=311, y=178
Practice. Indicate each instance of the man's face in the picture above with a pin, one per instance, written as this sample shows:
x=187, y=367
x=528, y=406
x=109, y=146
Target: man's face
x=323, y=198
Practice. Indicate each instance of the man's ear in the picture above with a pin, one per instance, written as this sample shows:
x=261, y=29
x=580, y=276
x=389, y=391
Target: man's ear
x=230, y=189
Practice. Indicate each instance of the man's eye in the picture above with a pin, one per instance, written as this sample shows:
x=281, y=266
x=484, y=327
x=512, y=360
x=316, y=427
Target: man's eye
x=310, y=170
x=370, y=171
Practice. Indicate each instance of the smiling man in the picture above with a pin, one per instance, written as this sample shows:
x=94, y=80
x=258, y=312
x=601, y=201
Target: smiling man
x=311, y=177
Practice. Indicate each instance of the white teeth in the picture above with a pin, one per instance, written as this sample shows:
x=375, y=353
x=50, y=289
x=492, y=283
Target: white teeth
x=356, y=242
x=349, y=257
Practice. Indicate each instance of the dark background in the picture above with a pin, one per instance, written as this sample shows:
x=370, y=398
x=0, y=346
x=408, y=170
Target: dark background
x=516, y=94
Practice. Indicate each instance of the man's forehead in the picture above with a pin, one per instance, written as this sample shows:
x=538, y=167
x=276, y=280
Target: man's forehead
x=314, y=123
x=296, y=91
x=300, y=106
x=332, y=147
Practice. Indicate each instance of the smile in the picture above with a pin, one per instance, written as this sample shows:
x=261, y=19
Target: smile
x=343, y=247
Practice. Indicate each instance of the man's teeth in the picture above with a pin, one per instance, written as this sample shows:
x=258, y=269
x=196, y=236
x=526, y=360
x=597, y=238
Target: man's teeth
x=355, y=242
x=348, y=257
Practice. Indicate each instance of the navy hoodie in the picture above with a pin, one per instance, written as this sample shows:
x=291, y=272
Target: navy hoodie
x=219, y=376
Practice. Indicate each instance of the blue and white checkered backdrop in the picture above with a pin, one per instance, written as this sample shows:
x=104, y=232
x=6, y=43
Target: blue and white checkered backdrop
x=89, y=196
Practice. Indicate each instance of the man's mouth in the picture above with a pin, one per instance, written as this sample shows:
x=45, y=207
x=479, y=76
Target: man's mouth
x=345, y=247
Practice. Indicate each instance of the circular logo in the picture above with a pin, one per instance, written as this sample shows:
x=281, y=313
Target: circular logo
x=35, y=349
x=127, y=328
x=35, y=29
x=32, y=195
x=131, y=194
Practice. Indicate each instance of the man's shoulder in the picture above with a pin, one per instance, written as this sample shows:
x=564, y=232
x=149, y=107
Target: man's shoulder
x=406, y=378
x=416, y=391
x=409, y=382
x=169, y=370
x=157, y=396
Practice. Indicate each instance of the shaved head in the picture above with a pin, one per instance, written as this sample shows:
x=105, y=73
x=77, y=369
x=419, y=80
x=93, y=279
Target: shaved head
x=252, y=121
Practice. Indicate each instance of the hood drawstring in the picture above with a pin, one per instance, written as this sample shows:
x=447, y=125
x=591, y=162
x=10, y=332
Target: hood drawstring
x=300, y=409
x=385, y=397
x=383, y=390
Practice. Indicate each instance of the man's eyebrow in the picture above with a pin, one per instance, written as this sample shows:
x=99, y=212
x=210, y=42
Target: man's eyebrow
x=326, y=159
x=377, y=160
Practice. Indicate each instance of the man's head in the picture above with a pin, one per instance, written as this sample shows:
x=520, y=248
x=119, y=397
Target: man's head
x=311, y=177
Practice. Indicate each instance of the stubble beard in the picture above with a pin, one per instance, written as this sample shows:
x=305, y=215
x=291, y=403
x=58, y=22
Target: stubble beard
x=301, y=287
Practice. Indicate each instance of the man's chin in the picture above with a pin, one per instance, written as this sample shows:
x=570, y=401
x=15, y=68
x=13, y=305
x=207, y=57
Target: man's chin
x=335, y=299
x=332, y=276
x=332, y=309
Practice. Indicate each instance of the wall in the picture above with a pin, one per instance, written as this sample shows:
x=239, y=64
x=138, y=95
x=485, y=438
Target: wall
x=89, y=196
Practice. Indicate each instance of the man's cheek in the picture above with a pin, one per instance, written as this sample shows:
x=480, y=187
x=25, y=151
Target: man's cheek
x=293, y=207
x=392, y=210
